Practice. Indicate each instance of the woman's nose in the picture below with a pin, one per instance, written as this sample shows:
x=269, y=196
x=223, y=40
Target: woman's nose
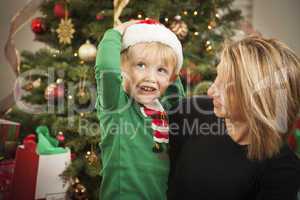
x=210, y=91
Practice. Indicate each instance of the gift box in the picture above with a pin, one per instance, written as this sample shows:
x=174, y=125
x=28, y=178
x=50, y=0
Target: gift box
x=38, y=168
x=9, y=133
x=6, y=178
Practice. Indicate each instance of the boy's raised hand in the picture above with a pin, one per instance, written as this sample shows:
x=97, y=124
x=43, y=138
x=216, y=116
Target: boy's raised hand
x=122, y=27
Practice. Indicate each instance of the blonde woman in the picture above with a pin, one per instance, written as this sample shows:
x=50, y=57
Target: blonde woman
x=238, y=151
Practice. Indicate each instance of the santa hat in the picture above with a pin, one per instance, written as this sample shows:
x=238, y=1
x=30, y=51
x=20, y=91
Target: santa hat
x=152, y=31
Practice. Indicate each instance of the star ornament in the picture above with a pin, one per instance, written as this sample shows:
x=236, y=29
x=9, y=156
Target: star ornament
x=65, y=31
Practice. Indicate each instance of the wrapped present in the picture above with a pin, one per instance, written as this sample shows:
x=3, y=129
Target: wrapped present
x=9, y=133
x=38, y=168
x=6, y=177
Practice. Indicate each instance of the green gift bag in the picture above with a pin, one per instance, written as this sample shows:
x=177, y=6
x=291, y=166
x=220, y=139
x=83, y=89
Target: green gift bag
x=46, y=144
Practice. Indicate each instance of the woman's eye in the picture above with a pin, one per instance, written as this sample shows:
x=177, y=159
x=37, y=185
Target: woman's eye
x=141, y=65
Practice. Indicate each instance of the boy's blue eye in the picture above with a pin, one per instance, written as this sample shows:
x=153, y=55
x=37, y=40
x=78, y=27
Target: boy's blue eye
x=141, y=65
x=163, y=70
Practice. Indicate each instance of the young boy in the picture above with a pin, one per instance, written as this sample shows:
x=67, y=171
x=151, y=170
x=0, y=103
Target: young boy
x=136, y=63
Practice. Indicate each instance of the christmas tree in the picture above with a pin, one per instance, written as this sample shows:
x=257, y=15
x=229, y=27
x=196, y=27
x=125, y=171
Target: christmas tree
x=58, y=84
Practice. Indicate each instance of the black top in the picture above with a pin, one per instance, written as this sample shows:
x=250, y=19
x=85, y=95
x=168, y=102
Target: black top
x=206, y=164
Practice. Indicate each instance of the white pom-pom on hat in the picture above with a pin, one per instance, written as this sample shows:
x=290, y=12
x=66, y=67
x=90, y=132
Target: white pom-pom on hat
x=152, y=31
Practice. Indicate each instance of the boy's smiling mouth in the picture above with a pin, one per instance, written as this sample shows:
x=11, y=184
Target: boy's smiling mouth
x=147, y=89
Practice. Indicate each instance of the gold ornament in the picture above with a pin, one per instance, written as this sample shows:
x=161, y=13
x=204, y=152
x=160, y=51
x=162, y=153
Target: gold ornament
x=65, y=31
x=36, y=83
x=83, y=97
x=28, y=87
x=87, y=52
x=212, y=24
x=179, y=27
x=77, y=191
x=91, y=157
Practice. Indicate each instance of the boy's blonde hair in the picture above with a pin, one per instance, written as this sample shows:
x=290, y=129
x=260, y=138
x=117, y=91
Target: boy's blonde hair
x=157, y=50
x=266, y=77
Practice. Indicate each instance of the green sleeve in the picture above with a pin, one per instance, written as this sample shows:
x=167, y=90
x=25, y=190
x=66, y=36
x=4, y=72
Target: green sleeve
x=107, y=71
x=173, y=94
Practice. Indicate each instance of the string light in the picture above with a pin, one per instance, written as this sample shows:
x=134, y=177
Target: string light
x=196, y=33
x=82, y=62
x=185, y=12
x=166, y=19
x=81, y=114
x=70, y=97
x=146, y=18
x=75, y=54
x=217, y=15
x=209, y=48
x=207, y=42
x=139, y=16
x=195, y=12
x=209, y=27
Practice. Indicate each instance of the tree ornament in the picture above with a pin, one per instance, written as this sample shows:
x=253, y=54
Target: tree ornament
x=60, y=10
x=91, y=157
x=99, y=17
x=37, y=83
x=60, y=137
x=54, y=91
x=77, y=191
x=38, y=26
x=87, y=52
x=83, y=97
x=65, y=31
x=28, y=87
x=179, y=27
x=211, y=25
x=73, y=156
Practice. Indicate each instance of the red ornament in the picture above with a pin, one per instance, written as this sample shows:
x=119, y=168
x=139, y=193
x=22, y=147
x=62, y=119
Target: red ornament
x=60, y=11
x=54, y=91
x=73, y=156
x=37, y=25
x=60, y=137
x=99, y=17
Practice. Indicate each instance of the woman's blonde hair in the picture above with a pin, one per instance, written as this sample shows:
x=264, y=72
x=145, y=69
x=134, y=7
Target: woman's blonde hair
x=266, y=77
x=156, y=50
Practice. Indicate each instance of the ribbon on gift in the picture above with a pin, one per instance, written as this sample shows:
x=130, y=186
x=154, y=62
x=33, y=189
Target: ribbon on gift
x=46, y=144
x=29, y=142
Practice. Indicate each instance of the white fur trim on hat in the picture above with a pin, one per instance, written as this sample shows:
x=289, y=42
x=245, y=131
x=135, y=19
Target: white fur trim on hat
x=138, y=33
